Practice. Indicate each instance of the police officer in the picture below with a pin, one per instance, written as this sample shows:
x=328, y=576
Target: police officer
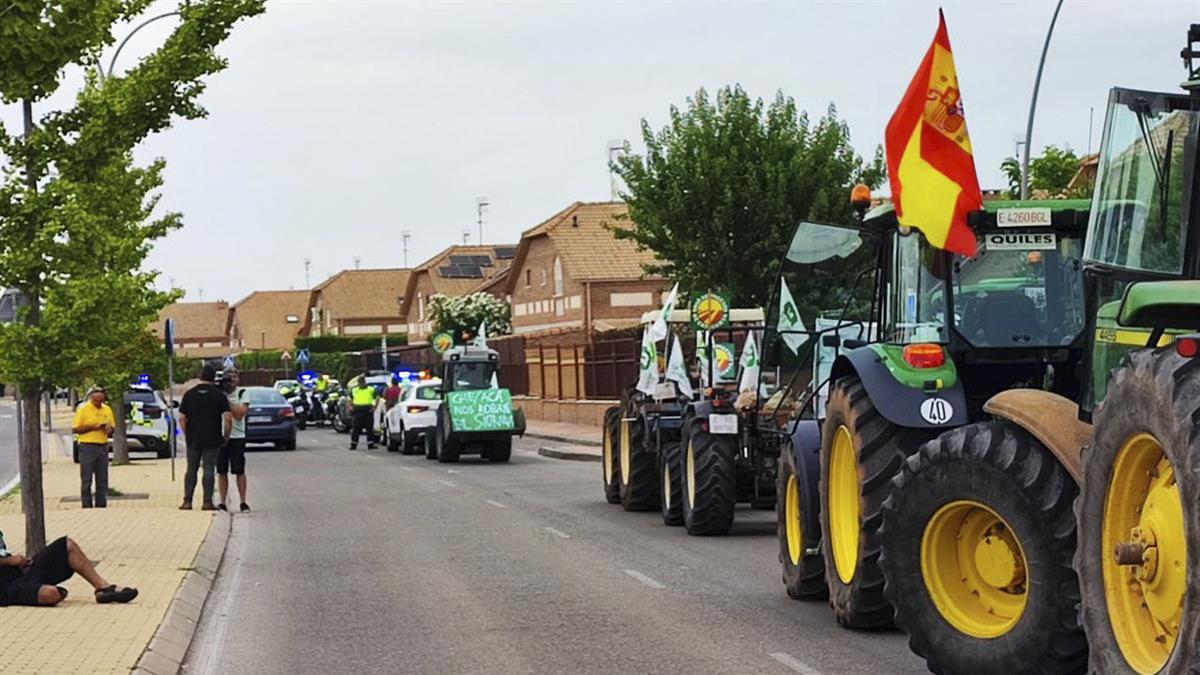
x=362, y=400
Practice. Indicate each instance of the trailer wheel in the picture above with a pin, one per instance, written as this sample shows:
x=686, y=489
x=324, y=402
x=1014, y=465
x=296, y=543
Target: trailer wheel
x=500, y=451
x=978, y=537
x=431, y=444
x=447, y=450
x=608, y=459
x=709, y=484
x=639, y=469
x=803, y=569
x=860, y=453
x=668, y=462
x=1139, y=518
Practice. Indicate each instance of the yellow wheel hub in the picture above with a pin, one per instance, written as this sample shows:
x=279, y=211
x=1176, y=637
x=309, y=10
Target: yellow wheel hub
x=791, y=517
x=1144, y=554
x=608, y=456
x=690, y=475
x=626, y=462
x=843, y=506
x=974, y=569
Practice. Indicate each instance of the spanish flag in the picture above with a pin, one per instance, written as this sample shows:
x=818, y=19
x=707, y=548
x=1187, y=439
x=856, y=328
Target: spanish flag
x=930, y=165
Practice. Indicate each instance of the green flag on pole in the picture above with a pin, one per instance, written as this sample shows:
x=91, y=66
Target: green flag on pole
x=790, y=326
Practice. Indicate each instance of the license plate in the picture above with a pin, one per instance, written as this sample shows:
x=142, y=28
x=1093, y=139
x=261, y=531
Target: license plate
x=259, y=419
x=664, y=390
x=722, y=424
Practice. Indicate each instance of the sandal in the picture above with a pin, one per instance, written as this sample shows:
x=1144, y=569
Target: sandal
x=115, y=594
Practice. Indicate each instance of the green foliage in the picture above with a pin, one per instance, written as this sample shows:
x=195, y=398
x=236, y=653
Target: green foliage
x=1050, y=173
x=462, y=315
x=255, y=360
x=722, y=187
x=331, y=364
x=346, y=343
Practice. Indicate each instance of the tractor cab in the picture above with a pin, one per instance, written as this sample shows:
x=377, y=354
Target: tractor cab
x=468, y=368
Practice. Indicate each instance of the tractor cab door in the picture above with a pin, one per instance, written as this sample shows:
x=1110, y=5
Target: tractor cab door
x=823, y=294
x=1143, y=224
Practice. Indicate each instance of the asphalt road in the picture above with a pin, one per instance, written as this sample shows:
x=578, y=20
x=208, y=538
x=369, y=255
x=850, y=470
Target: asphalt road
x=9, y=468
x=373, y=562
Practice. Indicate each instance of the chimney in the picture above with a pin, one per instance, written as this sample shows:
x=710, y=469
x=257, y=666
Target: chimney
x=575, y=221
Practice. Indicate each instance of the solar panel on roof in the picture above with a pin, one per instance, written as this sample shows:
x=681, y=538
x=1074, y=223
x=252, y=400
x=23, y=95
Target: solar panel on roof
x=471, y=271
x=462, y=260
x=481, y=260
x=506, y=252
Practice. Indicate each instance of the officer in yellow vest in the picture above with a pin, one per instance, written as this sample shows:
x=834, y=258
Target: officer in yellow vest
x=362, y=400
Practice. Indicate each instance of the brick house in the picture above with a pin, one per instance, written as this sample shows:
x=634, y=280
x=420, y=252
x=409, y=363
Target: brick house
x=358, y=302
x=458, y=270
x=268, y=320
x=571, y=272
x=201, y=328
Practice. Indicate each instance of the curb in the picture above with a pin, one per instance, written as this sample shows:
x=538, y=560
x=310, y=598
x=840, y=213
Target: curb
x=558, y=453
x=12, y=485
x=169, y=646
x=566, y=439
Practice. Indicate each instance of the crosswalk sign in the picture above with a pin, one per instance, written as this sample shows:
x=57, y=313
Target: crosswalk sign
x=302, y=356
x=228, y=362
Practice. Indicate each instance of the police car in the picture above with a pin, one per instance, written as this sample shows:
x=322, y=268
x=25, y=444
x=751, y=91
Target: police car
x=149, y=421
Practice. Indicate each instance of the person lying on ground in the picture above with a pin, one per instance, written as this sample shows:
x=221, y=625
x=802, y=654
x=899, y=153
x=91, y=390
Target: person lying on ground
x=35, y=582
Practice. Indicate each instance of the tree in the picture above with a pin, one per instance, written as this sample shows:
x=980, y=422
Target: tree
x=75, y=213
x=1050, y=173
x=462, y=315
x=726, y=182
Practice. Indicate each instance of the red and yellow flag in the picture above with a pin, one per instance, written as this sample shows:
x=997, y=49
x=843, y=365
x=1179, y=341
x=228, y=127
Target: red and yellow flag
x=930, y=165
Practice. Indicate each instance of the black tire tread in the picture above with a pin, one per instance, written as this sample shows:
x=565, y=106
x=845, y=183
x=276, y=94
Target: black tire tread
x=639, y=490
x=805, y=581
x=668, y=456
x=612, y=490
x=716, y=482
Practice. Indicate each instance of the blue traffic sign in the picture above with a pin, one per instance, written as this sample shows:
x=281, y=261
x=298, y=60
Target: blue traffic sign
x=228, y=362
x=302, y=356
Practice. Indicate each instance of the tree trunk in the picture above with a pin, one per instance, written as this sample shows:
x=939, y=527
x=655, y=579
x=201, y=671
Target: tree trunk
x=120, y=439
x=31, y=472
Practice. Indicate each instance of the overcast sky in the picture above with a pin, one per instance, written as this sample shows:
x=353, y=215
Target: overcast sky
x=340, y=124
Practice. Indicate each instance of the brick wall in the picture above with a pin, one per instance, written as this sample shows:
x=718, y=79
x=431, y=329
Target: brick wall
x=536, y=302
x=418, y=330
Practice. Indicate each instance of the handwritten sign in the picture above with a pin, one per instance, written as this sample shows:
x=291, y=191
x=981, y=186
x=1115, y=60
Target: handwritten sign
x=480, y=410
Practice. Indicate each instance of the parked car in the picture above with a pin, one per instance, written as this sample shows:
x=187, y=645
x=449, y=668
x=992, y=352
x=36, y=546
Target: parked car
x=270, y=418
x=406, y=424
x=149, y=422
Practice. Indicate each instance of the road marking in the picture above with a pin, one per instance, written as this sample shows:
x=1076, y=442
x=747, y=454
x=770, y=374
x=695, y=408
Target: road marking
x=446, y=483
x=497, y=504
x=222, y=606
x=644, y=579
x=558, y=533
x=795, y=664
x=407, y=468
x=451, y=470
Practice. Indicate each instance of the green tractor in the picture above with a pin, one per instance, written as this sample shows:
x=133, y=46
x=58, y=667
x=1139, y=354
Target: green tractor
x=945, y=335
x=476, y=415
x=1002, y=538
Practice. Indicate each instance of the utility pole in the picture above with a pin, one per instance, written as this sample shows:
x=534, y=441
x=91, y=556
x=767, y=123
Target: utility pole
x=616, y=148
x=357, y=262
x=1037, y=83
x=307, y=265
x=481, y=203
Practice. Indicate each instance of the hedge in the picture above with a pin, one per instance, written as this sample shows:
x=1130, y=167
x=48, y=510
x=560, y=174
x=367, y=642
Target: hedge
x=347, y=343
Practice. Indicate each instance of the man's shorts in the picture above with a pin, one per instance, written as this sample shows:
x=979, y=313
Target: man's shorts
x=232, y=457
x=48, y=568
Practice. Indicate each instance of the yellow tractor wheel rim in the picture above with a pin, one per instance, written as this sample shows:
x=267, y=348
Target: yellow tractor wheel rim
x=974, y=569
x=625, y=460
x=843, y=506
x=690, y=475
x=1143, y=526
x=791, y=517
x=608, y=455
x=666, y=486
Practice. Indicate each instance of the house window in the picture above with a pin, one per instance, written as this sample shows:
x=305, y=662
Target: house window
x=528, y=278
x=558, y=276
x=292, y=318
x=543, y=276
x=420, y=306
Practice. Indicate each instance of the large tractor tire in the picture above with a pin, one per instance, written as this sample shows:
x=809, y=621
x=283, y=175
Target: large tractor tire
x=672, y=486
x=500, y=451
x=639, y=468
x=608, y=459
x=978, y=537
x=860, y=453
x=709, y=482
x=1139, y=517
x=803, y=567
x=447, y=450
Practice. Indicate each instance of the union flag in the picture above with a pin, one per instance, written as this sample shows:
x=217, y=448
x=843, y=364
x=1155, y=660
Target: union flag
x=930, y=165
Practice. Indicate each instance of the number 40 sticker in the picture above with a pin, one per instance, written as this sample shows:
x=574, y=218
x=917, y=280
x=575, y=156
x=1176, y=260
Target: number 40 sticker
x=937, y=410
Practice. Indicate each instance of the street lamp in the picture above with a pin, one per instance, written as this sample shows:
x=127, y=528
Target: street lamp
x=113, y=62
x=1037, y=82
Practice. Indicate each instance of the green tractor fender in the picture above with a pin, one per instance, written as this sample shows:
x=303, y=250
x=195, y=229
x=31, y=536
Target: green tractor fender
x=930, y=398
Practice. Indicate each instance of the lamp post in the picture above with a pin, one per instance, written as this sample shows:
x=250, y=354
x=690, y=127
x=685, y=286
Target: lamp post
x=1037, y=83
x=113, y=62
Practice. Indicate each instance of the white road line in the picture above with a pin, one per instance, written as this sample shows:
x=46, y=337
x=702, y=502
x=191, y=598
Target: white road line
x=446, y=483
x=558, y=533
x=644, y=579
x=795, y=664
x=407, y=468
x=451, y=470
x=222, y=606
x=497, y=504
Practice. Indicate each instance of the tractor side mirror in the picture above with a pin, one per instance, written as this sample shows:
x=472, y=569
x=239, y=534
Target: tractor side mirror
x=851, y=343
x=831, y=341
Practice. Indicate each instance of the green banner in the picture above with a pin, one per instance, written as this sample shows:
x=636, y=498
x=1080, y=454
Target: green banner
x=480, y=410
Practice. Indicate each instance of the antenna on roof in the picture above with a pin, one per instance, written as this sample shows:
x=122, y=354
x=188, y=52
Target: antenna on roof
x=616, y=148
x=466, y=233
x=201, y=293
x=405, y=235
x=481, y=203
x=357, y=262
x=307, y=265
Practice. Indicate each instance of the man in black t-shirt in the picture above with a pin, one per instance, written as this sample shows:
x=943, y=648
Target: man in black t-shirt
x=206, y=421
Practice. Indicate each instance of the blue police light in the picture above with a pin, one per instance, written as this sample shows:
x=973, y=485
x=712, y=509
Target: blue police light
x=307, y=376
x=144, y=378
x=404, y=374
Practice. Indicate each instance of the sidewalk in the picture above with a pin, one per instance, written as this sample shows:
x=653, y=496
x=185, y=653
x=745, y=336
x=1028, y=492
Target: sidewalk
x=568, y=441
x=142, y=541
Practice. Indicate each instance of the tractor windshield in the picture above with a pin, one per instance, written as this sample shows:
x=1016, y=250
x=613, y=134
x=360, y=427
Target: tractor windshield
x=472, y=375
x=1139, y=207
x=916, y=304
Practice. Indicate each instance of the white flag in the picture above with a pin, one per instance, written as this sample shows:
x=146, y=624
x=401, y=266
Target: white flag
x=677, y=370
x=647, y=365
x=702, y=355
x=749, y=365
x=658, y=329
x=481, y=336
x=789, y=320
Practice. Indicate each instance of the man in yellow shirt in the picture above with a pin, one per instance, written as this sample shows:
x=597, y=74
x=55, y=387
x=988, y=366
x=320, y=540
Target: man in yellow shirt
x=93, y=423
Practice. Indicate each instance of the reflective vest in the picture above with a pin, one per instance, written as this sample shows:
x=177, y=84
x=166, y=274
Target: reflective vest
x=321, y=384
x=363, y=396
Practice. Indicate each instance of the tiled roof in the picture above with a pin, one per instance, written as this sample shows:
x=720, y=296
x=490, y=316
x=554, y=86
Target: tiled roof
x=364, y=294
x=582, y=235
x=196, y=319
x=453, y=287
x=261, y=318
